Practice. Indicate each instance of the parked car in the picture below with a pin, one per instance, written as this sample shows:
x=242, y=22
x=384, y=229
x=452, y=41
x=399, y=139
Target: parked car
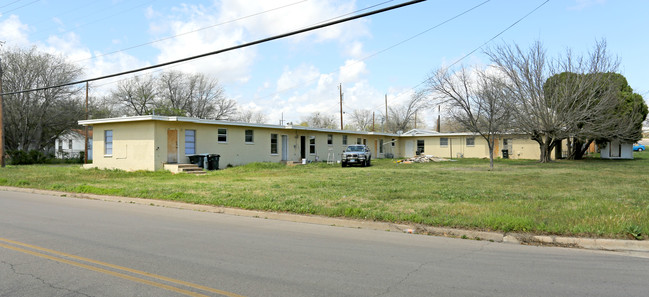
x=638, y=147
x=356, y=154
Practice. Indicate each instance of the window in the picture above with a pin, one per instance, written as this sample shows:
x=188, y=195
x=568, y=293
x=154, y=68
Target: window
x=470, y=141
x=358, y=141
x=70, y=143
x=344, y=139
x=380, y=146
x=60, y=144
x=443, y=142
x=249, y=136
x=393, y=142
x=222, y=135
x=273, y=144
x=420, y=145
x=312, y=145
x=108, y=142
x=190, y=142
x=330, y=139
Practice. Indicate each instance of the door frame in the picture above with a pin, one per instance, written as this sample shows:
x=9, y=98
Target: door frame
x=177, y=140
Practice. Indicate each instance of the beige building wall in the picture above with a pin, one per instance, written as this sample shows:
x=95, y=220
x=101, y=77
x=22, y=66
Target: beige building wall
x=148, y=144
x=236, y=151
x=133, y=146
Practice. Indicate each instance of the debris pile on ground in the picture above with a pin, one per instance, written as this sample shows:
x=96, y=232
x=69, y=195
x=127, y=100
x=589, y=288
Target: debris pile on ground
x=423, y=159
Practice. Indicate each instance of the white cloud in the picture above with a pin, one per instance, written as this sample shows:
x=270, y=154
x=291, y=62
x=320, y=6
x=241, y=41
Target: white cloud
x=352, y=70
x=14, y=32
x=355, y=50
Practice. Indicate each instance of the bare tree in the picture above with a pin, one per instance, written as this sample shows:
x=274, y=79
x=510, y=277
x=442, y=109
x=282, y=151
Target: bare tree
x=362, y=119
x=250, y=116
x=175, y=93
x=173, y=90
x=320, y=120
x=137, y=95
x=402, y=117
x=33, y=120
x=477, y=101
x=549, y=119
x=205, y=99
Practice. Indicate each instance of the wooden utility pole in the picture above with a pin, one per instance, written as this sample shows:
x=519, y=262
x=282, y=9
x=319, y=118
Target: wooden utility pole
x=372, y=121
x=85, y=149
x=386, y=112
x=439, y=112
x=2, y=126
x=415, y=119
x=340, y=88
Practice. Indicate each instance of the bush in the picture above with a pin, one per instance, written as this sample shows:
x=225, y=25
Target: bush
x=20, y=157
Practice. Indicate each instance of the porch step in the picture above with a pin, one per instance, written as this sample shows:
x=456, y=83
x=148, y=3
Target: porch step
x=191, y=169
x=185, y=168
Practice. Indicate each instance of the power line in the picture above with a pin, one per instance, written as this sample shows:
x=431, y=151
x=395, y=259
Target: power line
x=384, y=50
x=479, y=47
x=189, y=32
x=227, y=49
x=338, y=17
x=19, y=7
x=129, y=9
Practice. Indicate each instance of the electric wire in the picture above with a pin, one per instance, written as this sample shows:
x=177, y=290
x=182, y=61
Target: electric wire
x=479, y=47
x=163, y=69
x=9, y=4
x=19, y=7
x=189, y=32
x=303, y=84
x=129, y=9
x=283, y=35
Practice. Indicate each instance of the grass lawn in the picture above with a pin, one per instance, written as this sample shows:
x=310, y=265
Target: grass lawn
x=591, y=198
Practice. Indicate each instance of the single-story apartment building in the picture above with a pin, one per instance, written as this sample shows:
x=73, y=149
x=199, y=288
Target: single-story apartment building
x=150, y=142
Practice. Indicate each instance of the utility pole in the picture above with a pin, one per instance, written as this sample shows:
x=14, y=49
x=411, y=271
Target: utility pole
x=415, y=119
x=85, y=150
x=439, y=112
x=372, y=121
x=340, y=88
x=386, y=112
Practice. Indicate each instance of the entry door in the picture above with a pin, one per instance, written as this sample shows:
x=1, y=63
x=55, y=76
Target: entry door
x=284, y=147
x=410, y=147
x=616, y=149
x=303, y=147
x=172, y=146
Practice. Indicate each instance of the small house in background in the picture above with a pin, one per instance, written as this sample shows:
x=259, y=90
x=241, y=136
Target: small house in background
x=617, y=149
x=71, y=144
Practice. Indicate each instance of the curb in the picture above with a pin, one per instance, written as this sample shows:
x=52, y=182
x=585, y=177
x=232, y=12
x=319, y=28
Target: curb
x=513, y=238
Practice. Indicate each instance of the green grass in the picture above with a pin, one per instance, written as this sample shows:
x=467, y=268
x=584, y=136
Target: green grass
x=591, y=198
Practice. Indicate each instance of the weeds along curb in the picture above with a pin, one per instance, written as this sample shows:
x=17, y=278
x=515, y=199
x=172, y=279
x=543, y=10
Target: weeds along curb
x=513, y=238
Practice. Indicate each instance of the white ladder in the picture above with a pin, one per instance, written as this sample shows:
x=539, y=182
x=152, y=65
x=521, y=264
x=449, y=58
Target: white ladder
x=331, y=157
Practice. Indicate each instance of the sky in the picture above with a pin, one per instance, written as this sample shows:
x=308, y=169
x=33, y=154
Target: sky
x=388, y=54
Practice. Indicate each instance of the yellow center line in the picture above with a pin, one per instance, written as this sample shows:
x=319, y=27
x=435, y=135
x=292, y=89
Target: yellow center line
x=117, y=274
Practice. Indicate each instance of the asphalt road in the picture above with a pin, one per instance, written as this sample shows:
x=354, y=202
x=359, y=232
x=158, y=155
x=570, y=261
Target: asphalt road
x=58, y=246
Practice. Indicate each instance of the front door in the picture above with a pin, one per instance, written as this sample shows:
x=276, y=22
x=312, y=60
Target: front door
x=284, y=147
x=172, y=146
x=410, y=147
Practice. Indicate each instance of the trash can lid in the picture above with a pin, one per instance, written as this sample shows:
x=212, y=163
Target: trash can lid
x=215, y=155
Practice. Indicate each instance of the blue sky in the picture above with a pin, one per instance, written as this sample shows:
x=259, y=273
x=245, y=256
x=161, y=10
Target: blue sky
x=299, y=75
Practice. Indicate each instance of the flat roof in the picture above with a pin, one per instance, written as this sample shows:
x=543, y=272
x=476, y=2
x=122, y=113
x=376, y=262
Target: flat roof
x=221, y=123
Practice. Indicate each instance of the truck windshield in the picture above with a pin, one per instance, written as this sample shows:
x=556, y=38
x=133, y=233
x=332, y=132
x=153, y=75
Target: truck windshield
x=354, y=148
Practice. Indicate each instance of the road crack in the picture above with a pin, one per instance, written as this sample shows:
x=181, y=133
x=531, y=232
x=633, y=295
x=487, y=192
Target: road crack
x=422, y=265
x=13, y=269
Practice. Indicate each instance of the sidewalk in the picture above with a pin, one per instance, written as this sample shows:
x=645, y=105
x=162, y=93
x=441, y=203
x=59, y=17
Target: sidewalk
x=515, y=238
